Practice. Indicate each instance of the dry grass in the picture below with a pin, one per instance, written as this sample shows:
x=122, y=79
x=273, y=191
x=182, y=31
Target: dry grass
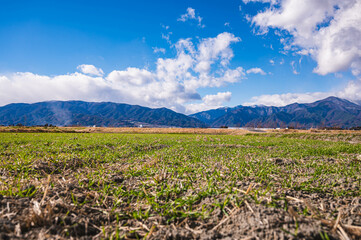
x=127, y=130
x=211, y=131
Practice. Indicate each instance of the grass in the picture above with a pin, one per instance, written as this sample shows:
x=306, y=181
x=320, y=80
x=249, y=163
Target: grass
x=135, y=185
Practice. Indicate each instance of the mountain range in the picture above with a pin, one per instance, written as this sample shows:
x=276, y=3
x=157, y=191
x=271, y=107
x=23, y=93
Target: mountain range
x=79, y=113
x=329, y=112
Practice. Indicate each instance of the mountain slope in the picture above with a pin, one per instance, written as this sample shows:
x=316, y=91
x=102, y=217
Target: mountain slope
x=329, y=112
x=209, y=116
x=63, y=113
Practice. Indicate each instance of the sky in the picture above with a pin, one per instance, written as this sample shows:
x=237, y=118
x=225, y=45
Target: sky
x=186, y=55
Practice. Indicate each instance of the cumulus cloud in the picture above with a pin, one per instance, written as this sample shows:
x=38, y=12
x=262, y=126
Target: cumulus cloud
x=327, y=30
x=191, y=14
x=30, y=87
x=210, y=102
x=173, y=83
x=90, y=69
x=256, y=71
x=351, y=92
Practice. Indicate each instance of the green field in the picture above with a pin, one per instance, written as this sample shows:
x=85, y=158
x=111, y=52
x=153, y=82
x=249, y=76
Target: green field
x=168, y=186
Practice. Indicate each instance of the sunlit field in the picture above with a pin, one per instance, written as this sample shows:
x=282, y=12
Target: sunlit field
x=180, y=185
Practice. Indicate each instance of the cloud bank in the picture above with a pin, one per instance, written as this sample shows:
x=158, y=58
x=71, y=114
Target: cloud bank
x=327, y=30
x=352, y=92
x=173, y=83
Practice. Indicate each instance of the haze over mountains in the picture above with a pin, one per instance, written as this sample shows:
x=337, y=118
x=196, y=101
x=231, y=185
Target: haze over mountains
x=329, y=112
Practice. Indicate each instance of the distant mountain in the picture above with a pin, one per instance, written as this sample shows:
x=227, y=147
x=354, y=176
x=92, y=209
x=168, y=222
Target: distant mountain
x=209, y=116
x=329, y=112
x=62, y=113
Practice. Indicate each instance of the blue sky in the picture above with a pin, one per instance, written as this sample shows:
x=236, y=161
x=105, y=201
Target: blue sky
x=103, y=50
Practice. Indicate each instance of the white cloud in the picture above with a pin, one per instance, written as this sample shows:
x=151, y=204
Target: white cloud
x=172, y=84
x=167, y=37
x=351, y=92
x=272, y=62
x=91, y=70
x=29, y=87
x=256, y=71
x=213, y=49
x=217, y=99
x=285, y=99
x=209, y=102
x=158, y=50
x=191, y=14
x=328, y=30
x=293, y=65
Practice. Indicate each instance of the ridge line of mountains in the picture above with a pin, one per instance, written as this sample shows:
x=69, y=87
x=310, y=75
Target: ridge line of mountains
x=331, y=112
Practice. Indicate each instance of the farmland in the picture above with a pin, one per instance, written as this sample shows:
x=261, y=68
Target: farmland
x=180, y=185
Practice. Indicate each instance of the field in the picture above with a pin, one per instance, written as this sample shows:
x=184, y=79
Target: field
x=181, y=185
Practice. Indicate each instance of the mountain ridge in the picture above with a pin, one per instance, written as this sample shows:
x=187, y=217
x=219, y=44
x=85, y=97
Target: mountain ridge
x=62, y=113
x=328, y=112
